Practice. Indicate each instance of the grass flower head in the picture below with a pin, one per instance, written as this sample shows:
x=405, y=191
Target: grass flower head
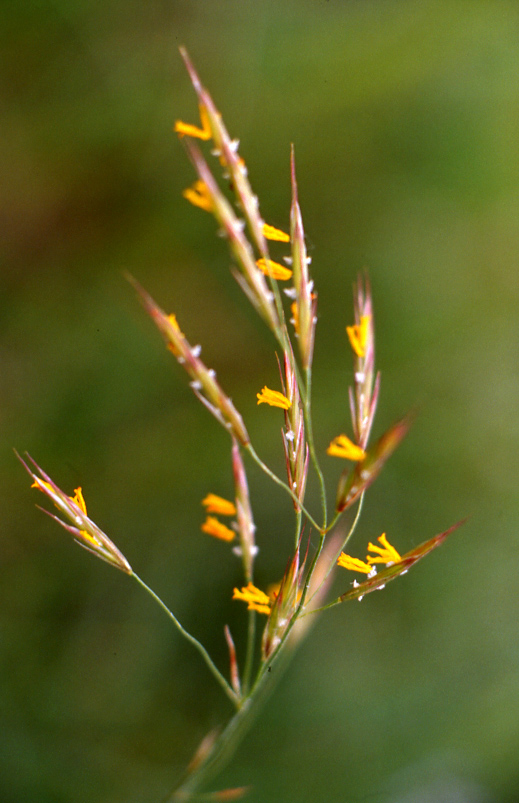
x=222, y=188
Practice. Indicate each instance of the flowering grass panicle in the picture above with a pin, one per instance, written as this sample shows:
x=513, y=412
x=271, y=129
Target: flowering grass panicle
x=285, y=608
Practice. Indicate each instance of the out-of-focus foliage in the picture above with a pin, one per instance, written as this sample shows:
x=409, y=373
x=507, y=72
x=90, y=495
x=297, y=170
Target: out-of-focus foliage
x=404, y=117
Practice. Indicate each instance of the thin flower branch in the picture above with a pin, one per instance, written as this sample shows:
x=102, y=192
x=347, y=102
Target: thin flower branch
x=231, y=694
x=344, y=541
x=282, y=484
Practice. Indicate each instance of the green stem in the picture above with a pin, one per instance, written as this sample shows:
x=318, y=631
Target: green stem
x=220, y=750
x=334, y=521
x=334, y=561
x=299, y=517
x=249, y=656
x=307, y=397
x=229, y=738
x=281, y=335
x=322, y=608
x=309, y=576
x=265, y=666
x=282, y=484
x=201, y=649
x=242, y=719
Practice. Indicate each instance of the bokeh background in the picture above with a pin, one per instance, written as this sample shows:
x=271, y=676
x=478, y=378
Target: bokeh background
x=405, y=120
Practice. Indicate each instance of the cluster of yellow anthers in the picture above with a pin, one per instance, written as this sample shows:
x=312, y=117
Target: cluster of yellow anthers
x=199, y=195
x=386, y=553
x=212, y=525
x=261, y=602
x=77, y=499
x=256, y=599
x=358, y=336
x=362, y=399
x=274, y=398
x=342, y=446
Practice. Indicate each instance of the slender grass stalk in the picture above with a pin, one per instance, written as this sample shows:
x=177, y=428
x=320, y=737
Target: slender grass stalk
x=223, y=747
x=311, y=443
x=297, y=531
x=249, y=655
x=333, y=562
x=192, y=640
x=282, y=484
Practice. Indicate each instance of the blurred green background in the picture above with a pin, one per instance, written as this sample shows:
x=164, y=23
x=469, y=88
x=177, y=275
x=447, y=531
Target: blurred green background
x=405, y=120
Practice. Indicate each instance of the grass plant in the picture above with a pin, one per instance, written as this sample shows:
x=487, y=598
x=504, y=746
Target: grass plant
x=284, y=295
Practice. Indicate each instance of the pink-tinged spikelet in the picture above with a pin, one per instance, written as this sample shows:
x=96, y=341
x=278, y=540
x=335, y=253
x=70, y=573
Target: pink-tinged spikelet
x=86, y=533
x=203, y=379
